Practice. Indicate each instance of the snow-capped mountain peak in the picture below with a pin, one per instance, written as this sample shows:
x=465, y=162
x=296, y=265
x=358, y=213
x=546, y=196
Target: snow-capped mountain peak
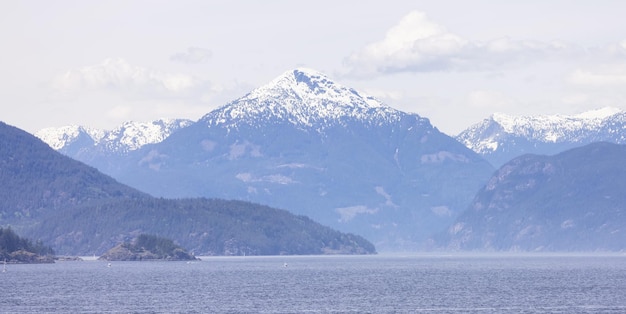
x=552, y=128
x=501, y=136
x=127, y=137
x=309, y=84
x=57, y=138
x=302, y=97
x=133, y=135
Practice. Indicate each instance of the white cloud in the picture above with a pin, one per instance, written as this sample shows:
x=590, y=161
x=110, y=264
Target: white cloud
x=392, y=95
x=417, y=44
x=414, y=43
x=616, y=51
x=575, y=98
x=116, y=74
x=113, y=91
x=604, y=76
x=488, y=99
x=596, y=86
x=193, y=55
x=119, y=112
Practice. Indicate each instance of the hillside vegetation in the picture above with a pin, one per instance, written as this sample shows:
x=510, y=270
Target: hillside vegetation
x=147, y=247
x=15, y=249
x=79, y=211
x=572, y=201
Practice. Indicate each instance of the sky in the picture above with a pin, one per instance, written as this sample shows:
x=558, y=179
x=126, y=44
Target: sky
x=102, y=63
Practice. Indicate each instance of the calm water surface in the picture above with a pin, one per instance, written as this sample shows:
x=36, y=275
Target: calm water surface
x=334, y=284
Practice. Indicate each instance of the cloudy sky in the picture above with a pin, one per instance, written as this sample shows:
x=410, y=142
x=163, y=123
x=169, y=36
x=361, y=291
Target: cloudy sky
x=100, y=63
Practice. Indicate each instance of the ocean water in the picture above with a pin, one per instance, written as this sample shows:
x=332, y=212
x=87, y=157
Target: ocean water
x=324, y=284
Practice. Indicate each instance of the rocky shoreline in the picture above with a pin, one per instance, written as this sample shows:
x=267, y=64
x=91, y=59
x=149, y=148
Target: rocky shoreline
x=26, y=257
x=146, y=248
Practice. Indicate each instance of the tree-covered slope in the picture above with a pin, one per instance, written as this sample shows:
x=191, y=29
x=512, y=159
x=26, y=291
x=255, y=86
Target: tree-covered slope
x=77, y=210
x=147, y=247
x=15, y=249
x=203, y=226
x=320, y=149
x=36, y=179
x=572, y=201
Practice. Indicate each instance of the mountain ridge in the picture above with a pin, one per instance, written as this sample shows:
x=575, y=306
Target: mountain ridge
x=78, y=210
x=312, y=146
x=126, y=137
x=571, y=201
x=309, y=99
x=502, y=137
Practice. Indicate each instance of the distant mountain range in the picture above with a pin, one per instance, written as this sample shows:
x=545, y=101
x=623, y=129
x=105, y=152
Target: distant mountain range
x=572, y=201
x=501, y=137
x=86, y=144
x=309, y=145
x=498, y=139
x=79, y=211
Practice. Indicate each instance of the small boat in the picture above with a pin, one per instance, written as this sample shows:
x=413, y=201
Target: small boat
x=4, y=267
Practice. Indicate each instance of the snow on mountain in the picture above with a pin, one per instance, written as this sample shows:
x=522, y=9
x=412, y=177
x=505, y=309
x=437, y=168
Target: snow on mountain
x=127, y=137
x=133, y=135
x=553, y=128
x=60, y=137
x=304, y=98
x=306, y=144
x=503, y=136
x=312, y=146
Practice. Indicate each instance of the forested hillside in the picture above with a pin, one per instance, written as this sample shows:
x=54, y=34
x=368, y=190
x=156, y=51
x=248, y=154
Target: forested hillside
x=203, y=226
x=15, y=249
x=572, y=201
x=77, y=210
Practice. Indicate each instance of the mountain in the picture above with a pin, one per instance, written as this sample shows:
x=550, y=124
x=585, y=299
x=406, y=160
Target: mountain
x=77, y=210
x=314, y=147
x=37, y=180
x=89, y=145
x=501, y=137
x=572, y=201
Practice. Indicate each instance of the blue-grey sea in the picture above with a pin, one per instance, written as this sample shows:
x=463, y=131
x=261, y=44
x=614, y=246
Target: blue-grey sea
x=323, y=284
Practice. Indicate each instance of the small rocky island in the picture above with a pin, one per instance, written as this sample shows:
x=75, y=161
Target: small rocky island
x=17, y=250
x=147, y=248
